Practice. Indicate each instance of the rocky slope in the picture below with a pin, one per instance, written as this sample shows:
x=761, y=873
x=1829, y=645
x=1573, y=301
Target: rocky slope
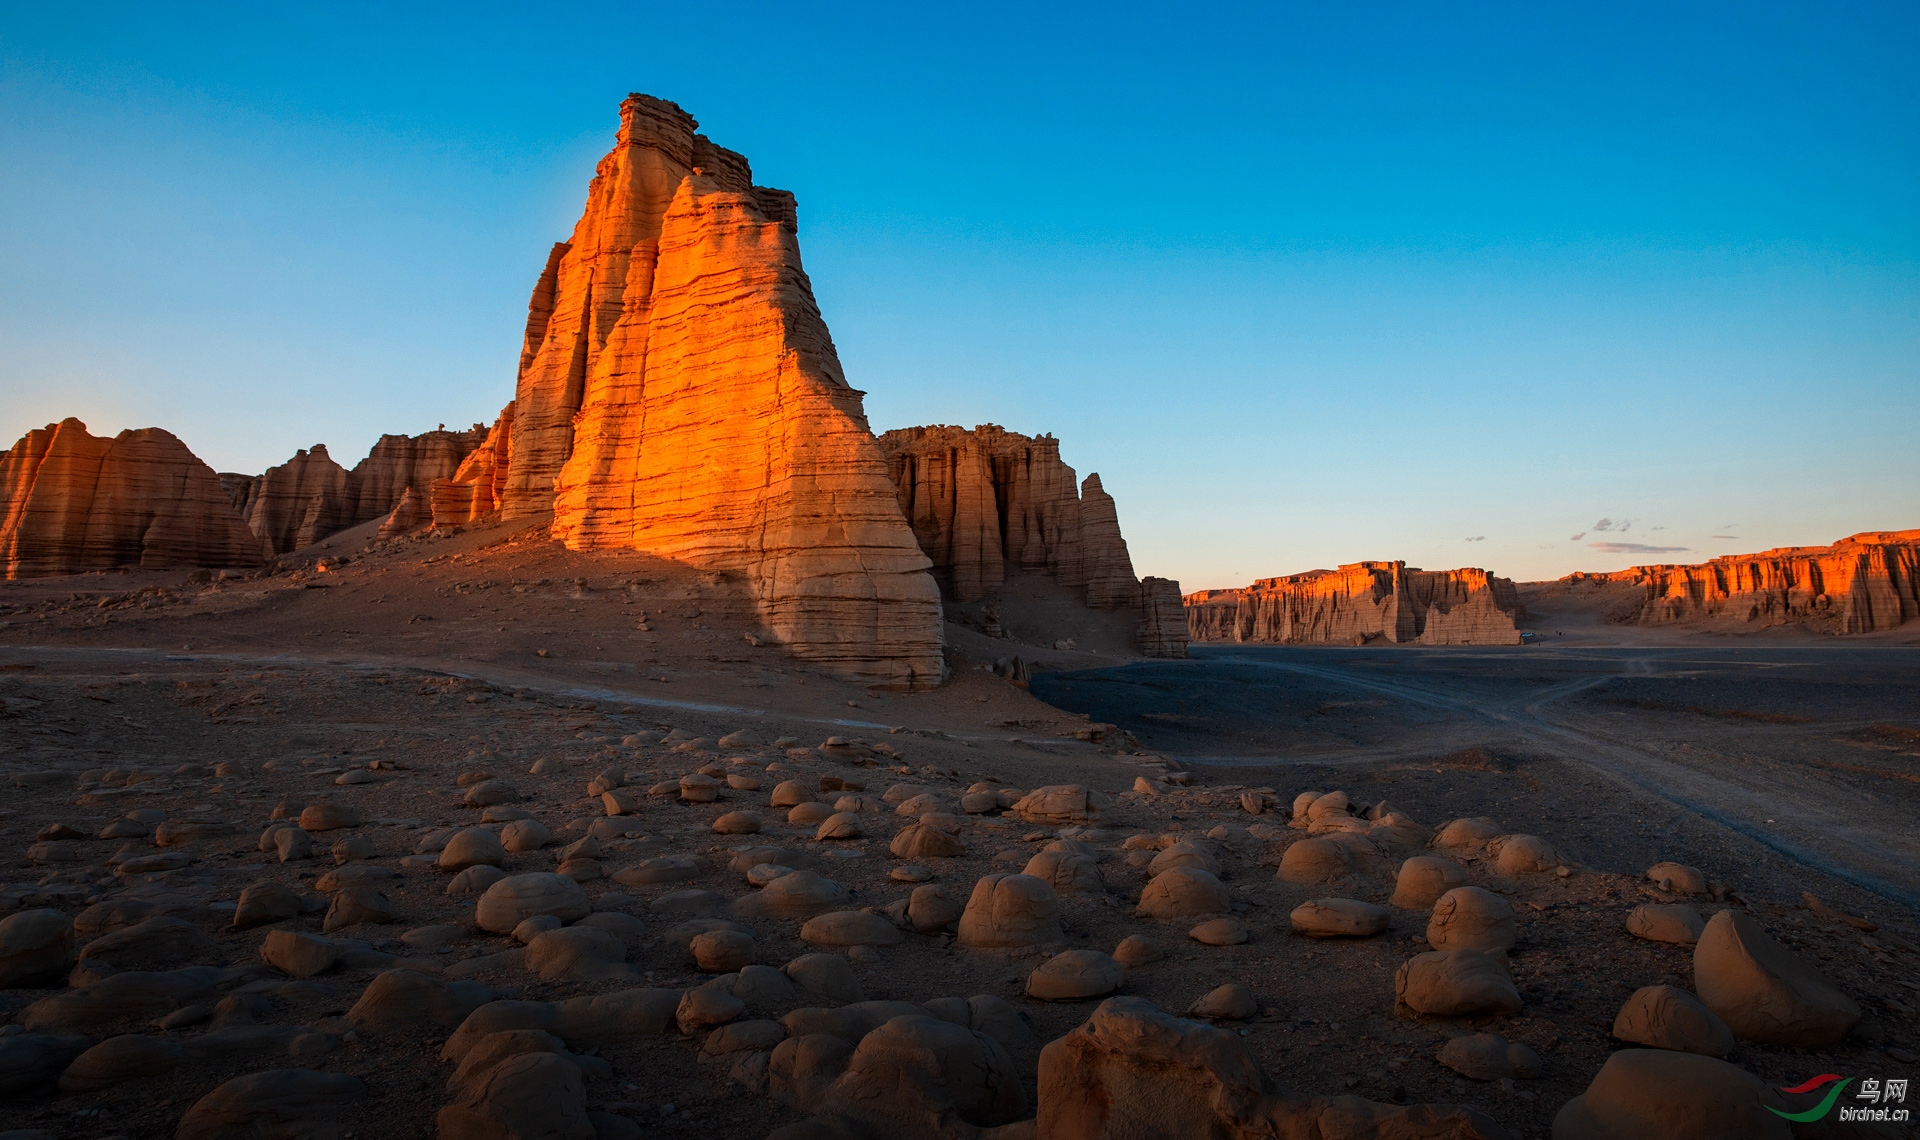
x=1863, y=583
x=1362, y=602
x=988, y=503
x=72, y=502
x=679, y=394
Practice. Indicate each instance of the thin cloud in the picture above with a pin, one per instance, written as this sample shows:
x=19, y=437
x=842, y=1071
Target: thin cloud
x=1478, y=538
x=1617, y=526
x=1578, y=537
x=1633, y=548
x=1726, y=537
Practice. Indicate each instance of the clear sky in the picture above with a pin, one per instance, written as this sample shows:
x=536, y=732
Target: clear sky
x=1305, y=284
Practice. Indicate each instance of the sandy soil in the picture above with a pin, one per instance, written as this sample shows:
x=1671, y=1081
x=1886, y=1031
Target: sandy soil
x=492, y=651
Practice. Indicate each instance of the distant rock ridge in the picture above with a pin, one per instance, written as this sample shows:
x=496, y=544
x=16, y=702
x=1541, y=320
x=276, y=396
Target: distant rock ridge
x=986, y=502
x=679, y=394
x=310, y=497
x=72, y=502
x=1390, y=601
x=1863, y=583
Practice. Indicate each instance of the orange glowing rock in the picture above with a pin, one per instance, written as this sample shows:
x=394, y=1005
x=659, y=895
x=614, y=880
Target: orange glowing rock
x=1357, y=603
x=475, y=487
x=679, y=394
x=71, y=502
x=1860, y=584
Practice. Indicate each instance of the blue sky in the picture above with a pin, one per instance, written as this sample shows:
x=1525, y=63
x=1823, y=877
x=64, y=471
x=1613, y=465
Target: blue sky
x=1305, y=284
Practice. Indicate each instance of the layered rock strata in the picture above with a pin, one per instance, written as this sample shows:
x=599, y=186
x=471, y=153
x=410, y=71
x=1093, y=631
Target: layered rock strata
x=71, y=502
x=1361, y=602
x=988, y=503
x=1863, y=583
x=679, y=394
x=310, y=496
x=475, y=487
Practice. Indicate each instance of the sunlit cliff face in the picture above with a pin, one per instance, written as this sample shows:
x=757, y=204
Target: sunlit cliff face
x=1363, y=601
x=679, y=394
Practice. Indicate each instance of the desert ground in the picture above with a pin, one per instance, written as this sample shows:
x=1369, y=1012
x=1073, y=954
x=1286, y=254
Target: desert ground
x=394, y=678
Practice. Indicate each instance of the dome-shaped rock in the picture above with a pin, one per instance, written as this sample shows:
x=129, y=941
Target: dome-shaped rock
x=1674, y=923
x=35, y=947
x=1642, y=1093
x=1074, y=976
x=801, y=894
x=474, y=847
x=920, y=841
x=1454, y=983
x=1489, y=1057
x=1315, y=861
x=1667, y=1017
x=850, y=928
x=1525, y=855
x=516, y=898
x=1423, y=879
x=1067, y=872
x=1231, y=1002
x=1184, y=892
x=1472, y=918
x=1339, y=918
x=1466, y=834
x=1010, y=911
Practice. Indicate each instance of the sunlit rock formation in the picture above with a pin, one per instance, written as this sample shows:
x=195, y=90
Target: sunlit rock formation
x=1355, y=604
x=310, y=496
x=988, y=502
x=475, y=487
x=679, y=394
x=1861, y=584
x=72, y=502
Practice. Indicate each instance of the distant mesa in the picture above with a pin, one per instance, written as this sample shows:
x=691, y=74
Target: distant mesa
x=989, y=503
x=71, y=502
x=1360, y=603
x=1863, y=583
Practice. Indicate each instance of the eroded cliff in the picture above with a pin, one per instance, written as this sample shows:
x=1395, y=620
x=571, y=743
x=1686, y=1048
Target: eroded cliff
x=72, y=502
x=1361, y=602
x=988, y=503
x=679, y=394
x=1863, y=583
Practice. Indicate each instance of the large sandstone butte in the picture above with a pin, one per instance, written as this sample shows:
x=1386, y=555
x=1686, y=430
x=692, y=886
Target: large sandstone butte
x=679, y=394
x=989, y=503
x=1861, y=584
x=72, y=502
x=310, y=496
x=1357, y=603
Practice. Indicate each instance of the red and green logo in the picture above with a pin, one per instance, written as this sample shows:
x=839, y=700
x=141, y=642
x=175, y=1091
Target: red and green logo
x=1826, y=1103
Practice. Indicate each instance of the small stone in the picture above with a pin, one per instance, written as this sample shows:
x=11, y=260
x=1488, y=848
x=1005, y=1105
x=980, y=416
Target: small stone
x=1231, y=1002
x=1525, y=855
x=1454, y=983
x=299, y=955
x=1137, y=950
x=473, y=881
x=1221, y=932
x=328, y=817
x=840, y=825
x=35, y=947
x=737, y=823
x=1075, y=976
x=1678, y=878
x=1339, y=918
x=909, y=873
x=513, y=900
x=1423, y=879
x=1472, y=918
x=850, y=928
x=1489, y=1057
x=1674, y=923
x=265, y=902
x=704, y=1008
x=486, y=793
x=1315, y=861
x=524, y=835
x=352, y=849
x=1183, y=892
x=722, y=951
x=1666, y=1017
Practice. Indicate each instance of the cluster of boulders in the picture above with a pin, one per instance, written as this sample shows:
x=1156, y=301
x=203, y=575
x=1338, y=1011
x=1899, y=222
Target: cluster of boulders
x=802, y=1031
